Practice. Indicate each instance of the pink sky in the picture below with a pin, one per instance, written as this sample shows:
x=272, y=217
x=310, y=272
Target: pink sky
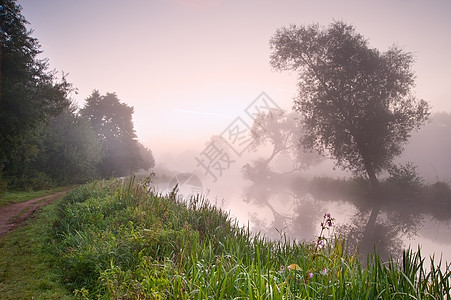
x=189, y=68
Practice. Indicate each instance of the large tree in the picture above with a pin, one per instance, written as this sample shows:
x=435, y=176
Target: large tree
x=112, y=120
x=29, y=94
x=356, y=102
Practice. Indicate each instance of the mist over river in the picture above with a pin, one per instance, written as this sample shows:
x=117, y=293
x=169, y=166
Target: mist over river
x=294, y=205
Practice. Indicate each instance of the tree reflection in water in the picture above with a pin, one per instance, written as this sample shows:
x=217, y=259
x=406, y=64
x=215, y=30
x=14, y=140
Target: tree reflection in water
x=297, y=205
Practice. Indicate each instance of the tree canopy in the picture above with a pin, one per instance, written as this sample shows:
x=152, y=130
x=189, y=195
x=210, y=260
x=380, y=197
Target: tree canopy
x=283, y=131
x=356, y=102
x=72, y=149
x=30, y=94
x=112, y=120
x=43, y=139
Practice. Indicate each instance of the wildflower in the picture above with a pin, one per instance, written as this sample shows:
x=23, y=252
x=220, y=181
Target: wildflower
x=320, y=243
x=294, y=267
x=328, y=220
x=310, y=275
x=324, y=271
x=325, y=224
x=282, y=269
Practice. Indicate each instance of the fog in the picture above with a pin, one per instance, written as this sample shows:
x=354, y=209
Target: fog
x=193, y=72
x=429, y=149
x=280, y=200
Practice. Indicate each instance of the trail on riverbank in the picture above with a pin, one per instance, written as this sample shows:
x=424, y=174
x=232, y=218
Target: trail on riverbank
x=14, y=215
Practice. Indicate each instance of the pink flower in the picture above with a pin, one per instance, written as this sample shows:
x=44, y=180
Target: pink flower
x=320, y=244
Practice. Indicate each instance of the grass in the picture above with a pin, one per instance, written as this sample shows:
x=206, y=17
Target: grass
x=26, y=267
x=22, y=196
x=118, y=240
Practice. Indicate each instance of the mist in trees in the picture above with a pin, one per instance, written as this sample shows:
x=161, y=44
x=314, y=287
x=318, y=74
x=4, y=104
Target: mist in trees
x=112, y=121
x=70, y=141
x=355, y=106
x=44, y=139
x=282, y=131
x=295, y=202
x=30, y=97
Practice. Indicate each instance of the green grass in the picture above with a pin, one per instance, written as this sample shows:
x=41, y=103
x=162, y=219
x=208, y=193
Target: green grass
x=27, y=267
x=117, y=240
x=22, y=196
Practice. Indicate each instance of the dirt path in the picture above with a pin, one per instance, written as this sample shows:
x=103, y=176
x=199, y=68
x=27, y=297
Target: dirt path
x=14, y=215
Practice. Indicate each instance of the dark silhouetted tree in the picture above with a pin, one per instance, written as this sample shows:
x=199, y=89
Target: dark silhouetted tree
x=30, y=94
x=356, y=102
x=112, y=120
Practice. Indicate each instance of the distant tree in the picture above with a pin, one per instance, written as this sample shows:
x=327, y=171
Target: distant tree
x=112, y=120
x=356, y=103
x=283, y=131
x=29, y=94
x=147, y=159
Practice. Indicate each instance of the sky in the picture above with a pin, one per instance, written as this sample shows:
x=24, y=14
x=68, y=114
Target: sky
x=191, y=67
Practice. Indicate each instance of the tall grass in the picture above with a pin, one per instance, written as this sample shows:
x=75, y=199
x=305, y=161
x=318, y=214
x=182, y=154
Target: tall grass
x=120, y=240
x=26, y=266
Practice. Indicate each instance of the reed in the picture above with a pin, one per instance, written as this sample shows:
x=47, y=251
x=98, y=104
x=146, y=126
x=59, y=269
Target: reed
x=121, y=240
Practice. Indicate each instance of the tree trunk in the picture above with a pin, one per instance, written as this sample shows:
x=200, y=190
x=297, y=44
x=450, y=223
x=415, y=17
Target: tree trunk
x=273, y=154
x=367, y=243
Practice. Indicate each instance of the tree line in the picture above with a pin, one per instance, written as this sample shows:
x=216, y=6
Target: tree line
x=45, y=139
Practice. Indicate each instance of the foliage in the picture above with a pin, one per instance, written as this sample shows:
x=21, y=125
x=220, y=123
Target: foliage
x=438, y=200
x=110, y=118
x=3, y=183
x=120, y=240
x=355, y=101
x=146, y=158
x=30, y=94
x=283, y=132
x=403, y=183
x=43, y=140
x=112, y=121
x=72, y=149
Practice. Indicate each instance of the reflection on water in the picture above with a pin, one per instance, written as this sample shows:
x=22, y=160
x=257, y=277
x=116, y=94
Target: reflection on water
x=294, y=206
x=400, y=222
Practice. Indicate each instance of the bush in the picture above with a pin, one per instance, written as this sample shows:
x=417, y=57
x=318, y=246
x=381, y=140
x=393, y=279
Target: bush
x=31, y=182
x=439, y=200
x=3, y=183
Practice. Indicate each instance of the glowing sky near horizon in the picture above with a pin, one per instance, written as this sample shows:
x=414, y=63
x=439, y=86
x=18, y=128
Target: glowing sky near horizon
x=190, y=67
